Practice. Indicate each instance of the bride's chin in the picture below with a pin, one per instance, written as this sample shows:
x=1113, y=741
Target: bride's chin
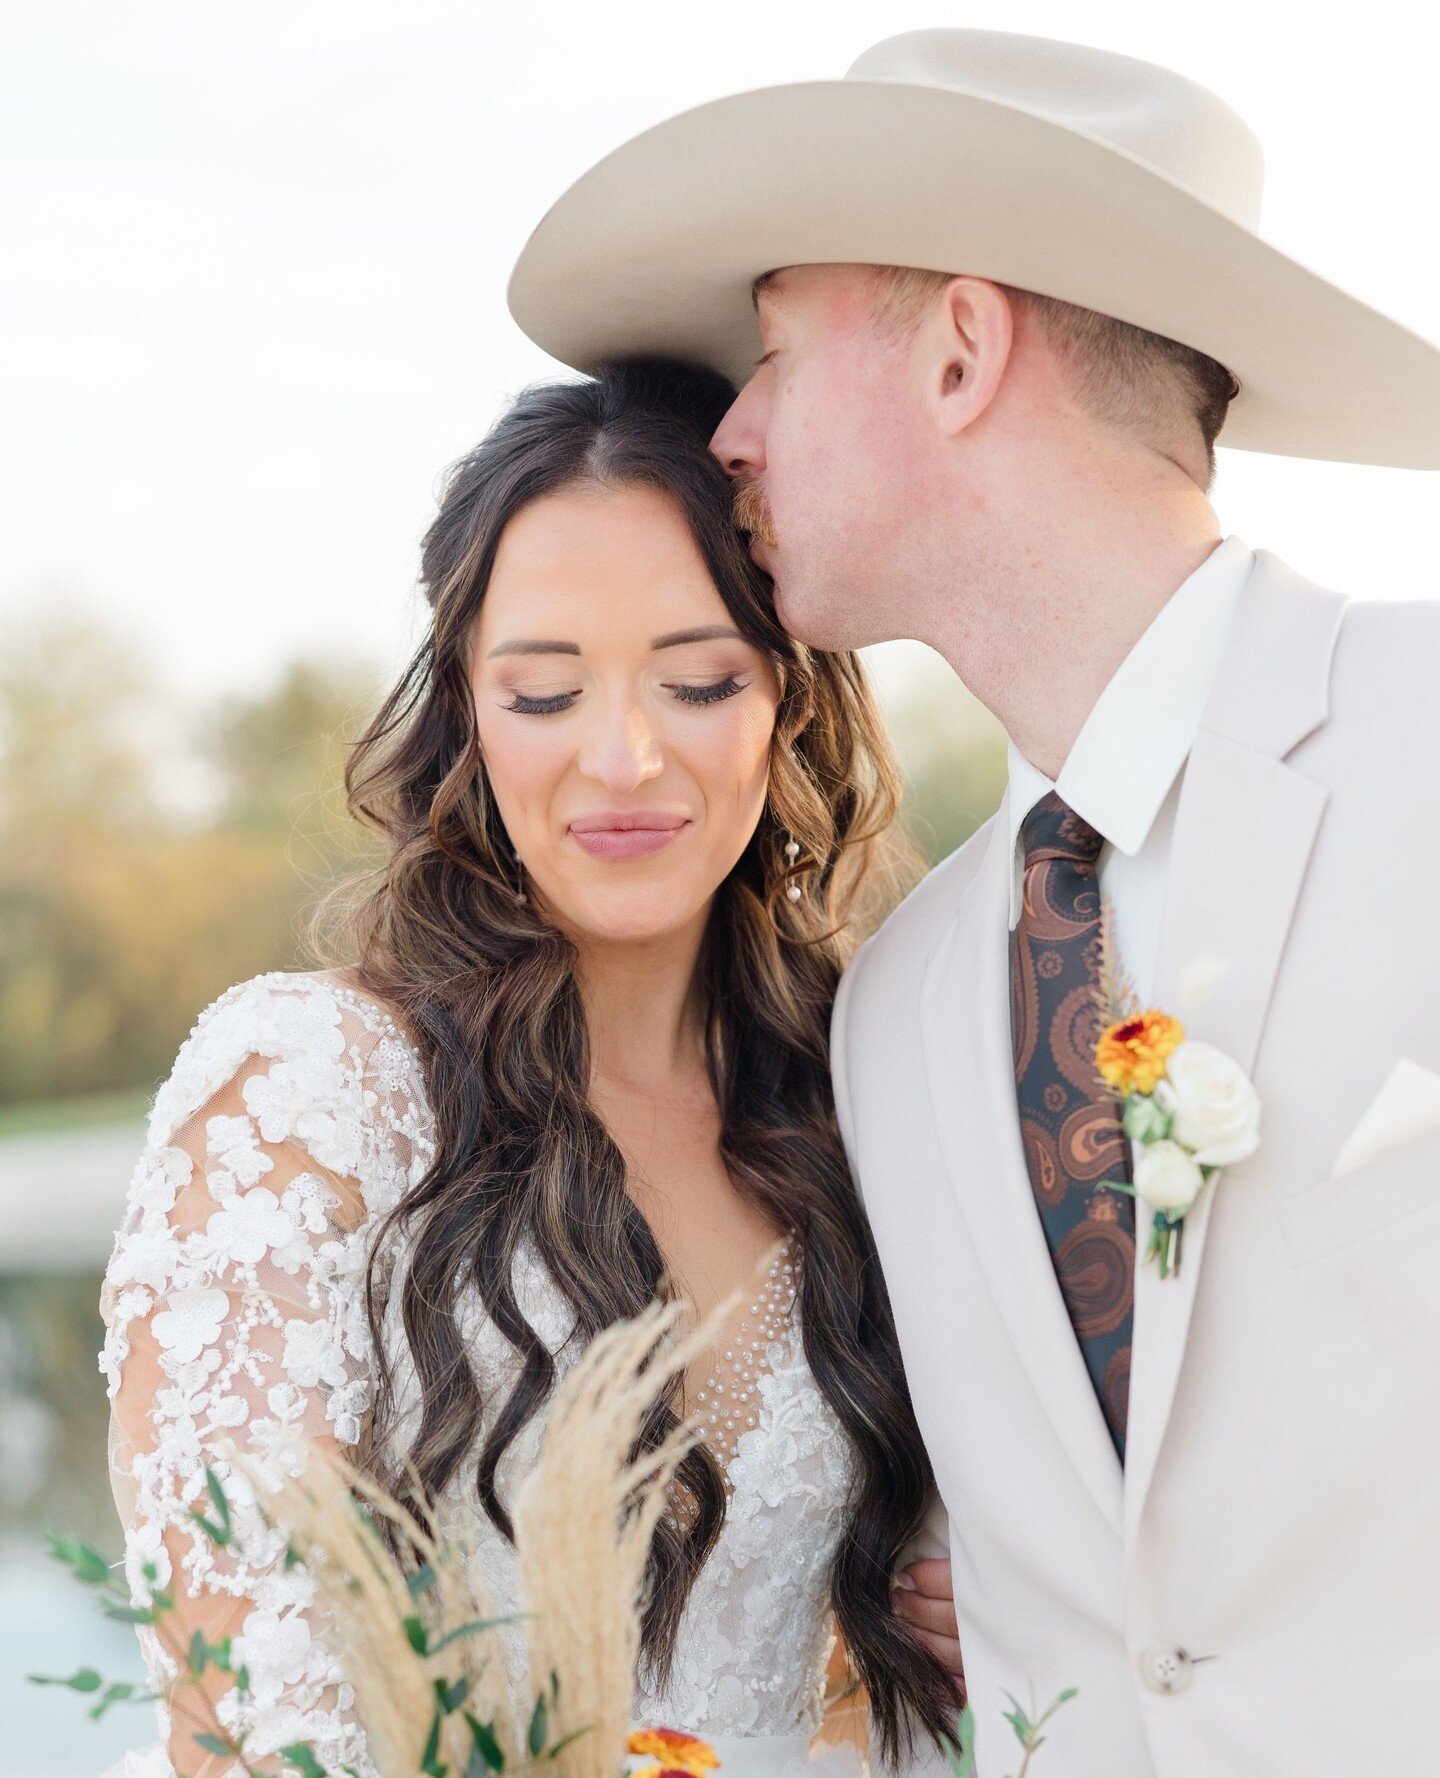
x=632, y=915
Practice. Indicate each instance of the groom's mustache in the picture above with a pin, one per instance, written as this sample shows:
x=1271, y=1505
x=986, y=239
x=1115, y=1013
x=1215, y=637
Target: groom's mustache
x=752, y=511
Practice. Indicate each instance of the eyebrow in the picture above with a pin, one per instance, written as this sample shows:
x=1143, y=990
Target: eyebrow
x=539, y=646
x=766, y=282
x=675, y=639
x=705, y=633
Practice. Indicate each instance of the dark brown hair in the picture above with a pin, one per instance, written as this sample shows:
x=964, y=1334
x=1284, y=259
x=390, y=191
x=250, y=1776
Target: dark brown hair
x=488, y=989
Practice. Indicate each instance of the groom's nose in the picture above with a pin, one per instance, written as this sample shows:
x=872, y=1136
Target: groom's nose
x=739, y=441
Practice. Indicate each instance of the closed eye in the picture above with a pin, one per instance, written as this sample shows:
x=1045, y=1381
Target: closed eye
x=560, y=700
x=714, y=693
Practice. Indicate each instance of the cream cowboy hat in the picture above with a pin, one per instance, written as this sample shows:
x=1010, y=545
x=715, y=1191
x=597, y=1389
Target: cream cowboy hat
x=1073, y=172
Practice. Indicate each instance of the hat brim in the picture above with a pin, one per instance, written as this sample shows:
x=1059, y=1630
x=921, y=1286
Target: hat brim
x=655, y=250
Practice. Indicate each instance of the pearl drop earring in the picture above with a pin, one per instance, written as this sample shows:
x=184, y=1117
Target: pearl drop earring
x=792, y=852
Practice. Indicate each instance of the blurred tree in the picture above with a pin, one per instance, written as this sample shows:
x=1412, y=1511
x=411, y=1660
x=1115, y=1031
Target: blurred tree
x=123, y=909
x=952, y=752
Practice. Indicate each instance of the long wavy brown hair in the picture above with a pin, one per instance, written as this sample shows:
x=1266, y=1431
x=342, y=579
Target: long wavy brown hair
x=488, y=989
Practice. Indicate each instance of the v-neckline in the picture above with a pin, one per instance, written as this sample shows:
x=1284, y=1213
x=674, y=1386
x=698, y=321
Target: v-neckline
x=728, y=1402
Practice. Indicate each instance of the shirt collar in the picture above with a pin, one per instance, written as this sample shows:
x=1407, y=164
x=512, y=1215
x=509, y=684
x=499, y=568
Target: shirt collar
x=1136, y=739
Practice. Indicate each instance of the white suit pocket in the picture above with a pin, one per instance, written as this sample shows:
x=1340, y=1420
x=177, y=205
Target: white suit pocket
x=1406, y=1107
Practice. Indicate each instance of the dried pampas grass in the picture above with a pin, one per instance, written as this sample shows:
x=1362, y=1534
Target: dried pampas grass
x=383, y=1618
x=583, y=1522
x=583, y=1518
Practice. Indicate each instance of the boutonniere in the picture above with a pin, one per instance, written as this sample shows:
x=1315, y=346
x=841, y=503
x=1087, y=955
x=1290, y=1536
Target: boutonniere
x=1191, y=1110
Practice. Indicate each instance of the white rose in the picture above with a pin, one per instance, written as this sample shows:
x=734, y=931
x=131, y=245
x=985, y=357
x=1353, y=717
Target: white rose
x=1167, y=1178
x=1216, y=1110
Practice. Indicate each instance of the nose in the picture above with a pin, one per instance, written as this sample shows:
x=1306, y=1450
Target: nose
x=623, y=752
x=739, y=441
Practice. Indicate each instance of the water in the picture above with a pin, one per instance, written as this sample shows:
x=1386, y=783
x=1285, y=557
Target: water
x=48, y=1624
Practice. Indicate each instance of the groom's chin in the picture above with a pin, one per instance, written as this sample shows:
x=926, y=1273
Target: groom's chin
x=811, y=617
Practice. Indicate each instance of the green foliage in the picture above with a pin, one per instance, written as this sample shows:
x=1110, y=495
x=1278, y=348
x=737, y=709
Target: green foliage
x=218, y=1529
x=485, y=1756
x=960, y=1754
x=1146, y=1119
x=539, y=1725
x=953, y=755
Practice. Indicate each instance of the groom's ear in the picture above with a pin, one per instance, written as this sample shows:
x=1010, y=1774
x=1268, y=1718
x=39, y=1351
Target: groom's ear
x=970, y=339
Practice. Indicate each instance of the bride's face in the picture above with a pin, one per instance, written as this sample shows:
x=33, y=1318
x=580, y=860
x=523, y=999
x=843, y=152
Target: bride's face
x=624, y=721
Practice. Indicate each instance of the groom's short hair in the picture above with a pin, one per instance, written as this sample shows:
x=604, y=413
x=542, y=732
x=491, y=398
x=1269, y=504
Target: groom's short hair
x=1135, y=379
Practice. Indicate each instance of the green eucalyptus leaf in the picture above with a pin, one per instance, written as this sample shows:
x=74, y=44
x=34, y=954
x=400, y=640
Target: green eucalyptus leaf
x=86, y=1679
x=485, y=1744
x=215, y=1489
x=539, y=1727
x=214, y=1744
x=430, y=1759
x=565, y=1741
x=82, y=1559
x=1049, y=1711
x=128, y=1614
x=199, y=1654
x=118, y=1694
x=421, y=1581
x=474, y=1628
x=960, y=1752
x=416, y=1635
x=218, y=1534
x=451, y=1695
x=302, y=1757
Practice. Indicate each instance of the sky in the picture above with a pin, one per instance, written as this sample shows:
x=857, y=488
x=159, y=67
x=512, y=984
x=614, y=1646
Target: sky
x=252, y=302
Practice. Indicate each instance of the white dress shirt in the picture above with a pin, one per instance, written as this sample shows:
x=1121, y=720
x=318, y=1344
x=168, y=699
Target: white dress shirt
x=1124, y=773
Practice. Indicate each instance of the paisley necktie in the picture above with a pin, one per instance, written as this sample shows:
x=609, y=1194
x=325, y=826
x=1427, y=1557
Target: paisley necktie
x=1070, y=1127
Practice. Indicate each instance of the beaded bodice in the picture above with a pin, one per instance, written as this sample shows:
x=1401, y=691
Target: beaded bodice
x=294, y=1119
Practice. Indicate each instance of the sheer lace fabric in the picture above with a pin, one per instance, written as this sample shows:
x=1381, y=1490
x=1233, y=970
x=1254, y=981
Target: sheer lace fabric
x=293, y=1120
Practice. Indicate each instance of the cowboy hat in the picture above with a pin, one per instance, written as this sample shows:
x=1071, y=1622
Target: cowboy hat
x=1069, y=171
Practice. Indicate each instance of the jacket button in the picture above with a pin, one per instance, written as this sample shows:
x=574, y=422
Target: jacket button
x=1166, y=1670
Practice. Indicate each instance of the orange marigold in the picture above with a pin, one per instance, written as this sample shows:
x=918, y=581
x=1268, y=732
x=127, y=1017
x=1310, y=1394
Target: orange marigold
x=1131, y=1056
x=675, y=1752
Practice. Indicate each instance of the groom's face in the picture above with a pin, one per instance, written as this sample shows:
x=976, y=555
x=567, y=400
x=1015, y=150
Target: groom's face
x=823, y=440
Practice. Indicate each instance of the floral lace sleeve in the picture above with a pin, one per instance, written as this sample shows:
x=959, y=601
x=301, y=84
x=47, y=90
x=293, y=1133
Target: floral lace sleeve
x=234, y=1311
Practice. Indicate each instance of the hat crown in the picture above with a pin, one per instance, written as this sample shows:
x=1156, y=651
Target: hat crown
x=1173, y=125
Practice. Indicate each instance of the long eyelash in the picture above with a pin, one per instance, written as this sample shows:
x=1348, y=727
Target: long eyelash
x=708, y=694
x=523, y=706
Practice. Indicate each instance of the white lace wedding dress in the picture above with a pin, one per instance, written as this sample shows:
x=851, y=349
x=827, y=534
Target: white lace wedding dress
x=293, y=1120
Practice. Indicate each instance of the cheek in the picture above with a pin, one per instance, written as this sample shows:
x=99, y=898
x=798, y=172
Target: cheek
x=837, y=453
x=524, y=761
x=732, y=769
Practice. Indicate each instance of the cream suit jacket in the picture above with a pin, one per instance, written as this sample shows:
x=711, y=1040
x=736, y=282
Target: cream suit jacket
x=1278, y=1517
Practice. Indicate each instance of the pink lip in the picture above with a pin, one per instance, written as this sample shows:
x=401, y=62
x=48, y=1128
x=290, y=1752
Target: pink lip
x=615, y=835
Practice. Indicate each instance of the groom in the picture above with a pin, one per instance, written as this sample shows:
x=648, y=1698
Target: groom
x=1009, y=293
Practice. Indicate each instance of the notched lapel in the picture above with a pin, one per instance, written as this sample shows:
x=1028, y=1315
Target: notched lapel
x=1244, y=834
x=965, y=1011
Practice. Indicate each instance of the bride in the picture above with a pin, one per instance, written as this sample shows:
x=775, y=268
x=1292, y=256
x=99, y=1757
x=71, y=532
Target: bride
x=577, y=1057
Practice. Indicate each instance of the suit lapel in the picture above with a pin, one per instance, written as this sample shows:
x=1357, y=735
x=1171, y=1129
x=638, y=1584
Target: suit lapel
x=1245, y=830
x=965, y=1012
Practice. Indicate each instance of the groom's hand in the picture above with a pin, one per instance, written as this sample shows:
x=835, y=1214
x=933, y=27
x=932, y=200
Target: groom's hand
x=925, y=1598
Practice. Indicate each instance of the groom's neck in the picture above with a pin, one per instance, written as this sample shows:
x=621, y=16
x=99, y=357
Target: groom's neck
x=1065, y=584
